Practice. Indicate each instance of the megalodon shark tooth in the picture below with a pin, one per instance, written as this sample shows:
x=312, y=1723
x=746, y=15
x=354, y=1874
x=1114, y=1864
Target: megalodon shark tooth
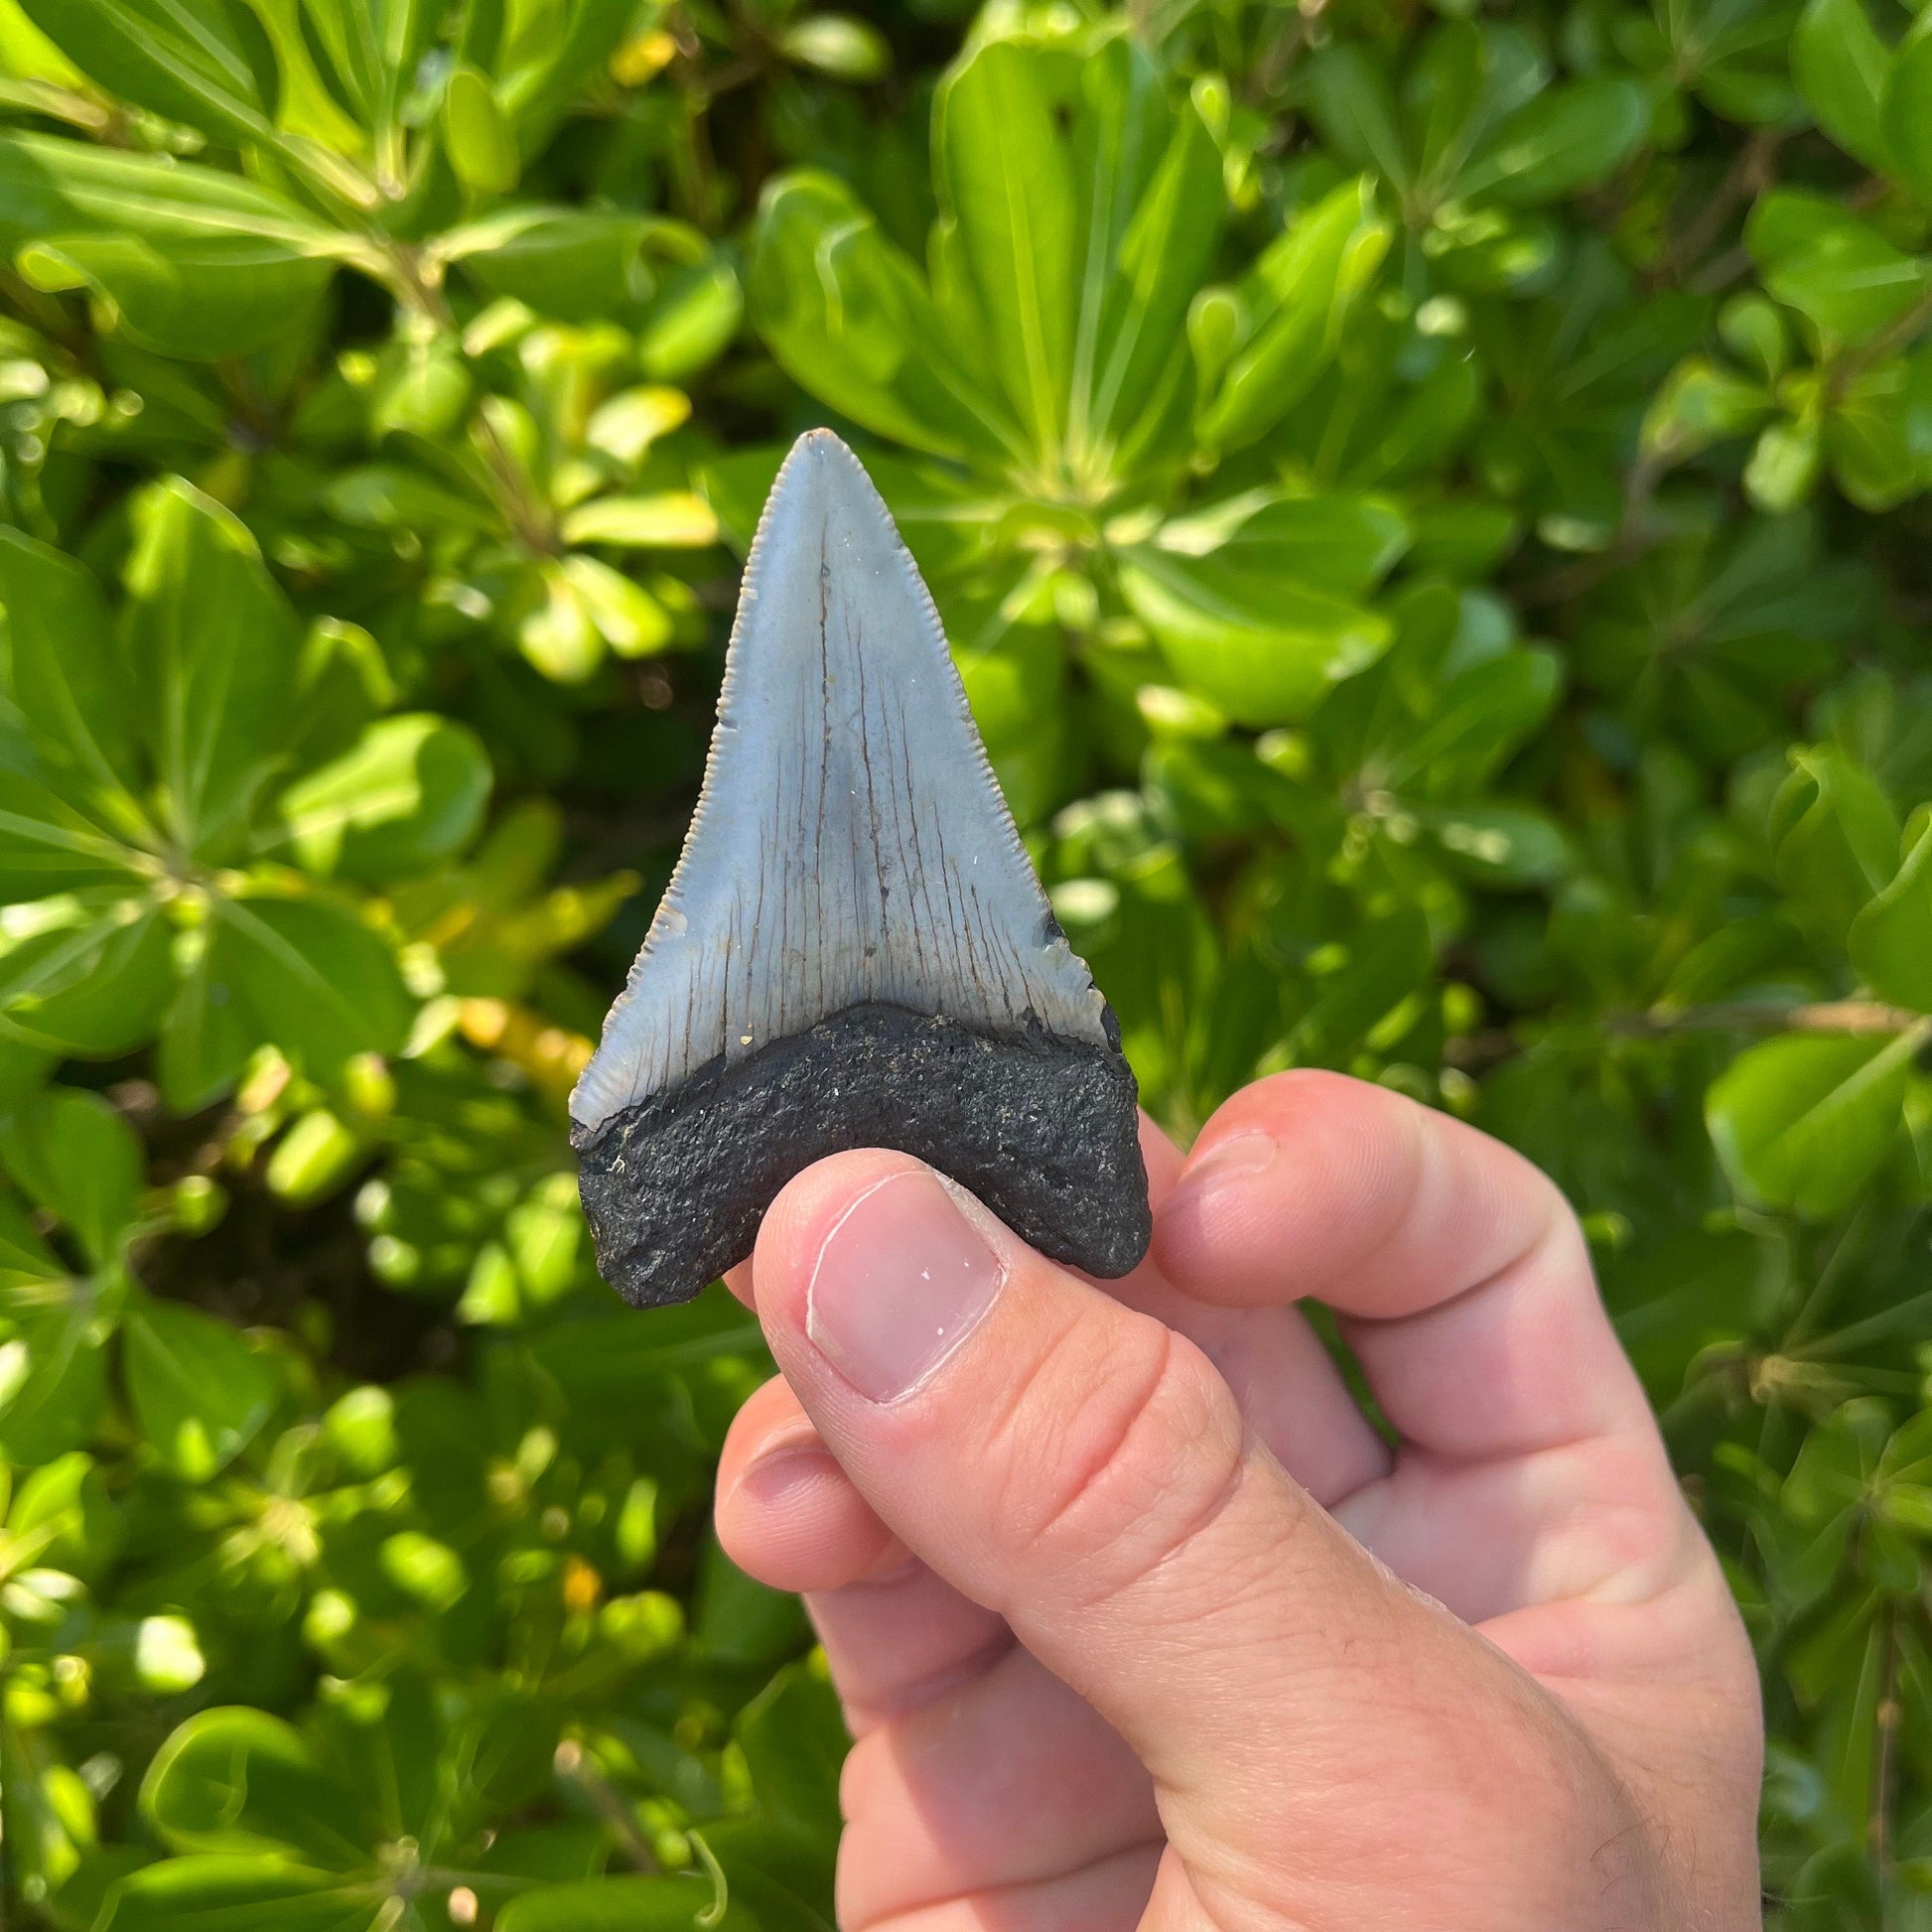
x=854, y=950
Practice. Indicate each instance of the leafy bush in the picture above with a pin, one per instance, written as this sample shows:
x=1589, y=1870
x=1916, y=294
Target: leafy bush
x=1430, y=509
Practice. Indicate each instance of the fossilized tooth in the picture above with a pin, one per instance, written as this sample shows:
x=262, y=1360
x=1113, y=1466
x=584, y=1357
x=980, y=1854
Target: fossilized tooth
x=854, y=950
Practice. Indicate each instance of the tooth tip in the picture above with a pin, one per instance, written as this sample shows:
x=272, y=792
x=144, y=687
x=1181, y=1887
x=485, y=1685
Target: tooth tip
x=836, y=855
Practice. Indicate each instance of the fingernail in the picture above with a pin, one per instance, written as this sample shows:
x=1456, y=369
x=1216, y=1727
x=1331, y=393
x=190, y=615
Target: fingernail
x=904, y=1278
x=1238, y=1158
x=779, y=1475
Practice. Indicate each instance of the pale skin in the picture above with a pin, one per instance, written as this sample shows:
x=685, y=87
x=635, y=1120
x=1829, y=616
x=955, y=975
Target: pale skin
x=1139, y=1622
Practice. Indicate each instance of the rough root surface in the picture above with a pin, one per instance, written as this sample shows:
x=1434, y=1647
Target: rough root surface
x=1043, y=1129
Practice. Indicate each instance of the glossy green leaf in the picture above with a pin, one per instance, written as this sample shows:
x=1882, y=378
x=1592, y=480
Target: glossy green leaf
x=1831, y=266
x=211, y=643
x=673, y=520
x=1309, y=280
x=77, y=1159
x=1835, y=840
x=200, y=1393
x=194, y=262
x=1356, y=112
x=409, y=791
x=208, y=1030
x=86, y=973
x=48, y=847
x=1008, y=189
x=621, y=1905
x=52, y=1381
x=1263, y=653
x=1890, y=940
x=1842, y=66
x=1803, y=1122
x=479, y=141
x=1567, y=139
x=320, y=984
x=691, y=322
x=844, y=312
x=70, y=680
x=838, y=44
x=1908, y=114
x=205, y=62
x=574, y=263
x=237, y=1782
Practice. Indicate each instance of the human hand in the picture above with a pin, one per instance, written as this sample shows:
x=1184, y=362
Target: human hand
x=1137, y=1619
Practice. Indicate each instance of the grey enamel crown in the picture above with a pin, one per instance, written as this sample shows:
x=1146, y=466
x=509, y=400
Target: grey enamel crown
x=853, y=949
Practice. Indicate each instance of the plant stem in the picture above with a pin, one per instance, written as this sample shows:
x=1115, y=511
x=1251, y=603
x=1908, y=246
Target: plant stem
x=1879, y=1824
x=1823, y=1017
x=574, y=1764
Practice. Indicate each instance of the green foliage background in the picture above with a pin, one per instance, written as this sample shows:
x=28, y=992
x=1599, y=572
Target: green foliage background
x=1431, y=506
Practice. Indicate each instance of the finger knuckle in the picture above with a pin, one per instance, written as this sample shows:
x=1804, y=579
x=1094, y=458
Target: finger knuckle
x=1128, y=1457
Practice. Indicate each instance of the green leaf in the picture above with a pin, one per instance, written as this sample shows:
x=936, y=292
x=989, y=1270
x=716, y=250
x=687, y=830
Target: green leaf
x=209, y=1030
x=848, y=318
x=1565, y=140
x=479, y=140
x=88, y=973
x=1263, y=653
x=1803, y=1122
x=77, y=1159
x=52, y=1381
x=1831, y=266
x=838, y=44
x=320, y=984
x=216, y=1894
x=368, y=54
x=1309, y=282
x=621, y=1905
x=1510, y=848
x=65, y=1503
x=692, y=320
x=794, y=1742
x=239, y=1782
x=70, y=678
x=193, y=262
x=204, y=61
x=574, y=263
x=200, y=1393
x=1351, y=103
x=1908, y=113
x=1834, y=840
x=676, y=519
x=1482, y=715
x=46, y=846
x=1386, y=963
x=1006, y=182
x=424, y=1568
x=1842, y=66
x=1892, y=938
x=1342, y=544
x=214, y=646
x=553, y=59
x=410, y=790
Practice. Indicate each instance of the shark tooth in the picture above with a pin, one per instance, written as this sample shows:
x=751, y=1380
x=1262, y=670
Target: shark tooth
x=854, y=950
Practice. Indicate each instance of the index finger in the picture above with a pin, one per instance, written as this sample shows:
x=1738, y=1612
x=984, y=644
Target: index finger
x=1462, y=1276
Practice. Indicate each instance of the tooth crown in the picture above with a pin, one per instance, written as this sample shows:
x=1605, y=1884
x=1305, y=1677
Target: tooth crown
x=850, y=846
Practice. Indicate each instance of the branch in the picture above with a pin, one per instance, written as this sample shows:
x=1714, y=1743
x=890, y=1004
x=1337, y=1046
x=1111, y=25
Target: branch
x=1750, y=175
x=1478, y=1052
x=1823, y=1017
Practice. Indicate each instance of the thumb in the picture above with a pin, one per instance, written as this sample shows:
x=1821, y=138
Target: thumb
x=1083, y=1470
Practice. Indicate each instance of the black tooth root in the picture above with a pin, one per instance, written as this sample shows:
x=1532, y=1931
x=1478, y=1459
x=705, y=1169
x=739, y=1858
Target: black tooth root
x=1043, y=1129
